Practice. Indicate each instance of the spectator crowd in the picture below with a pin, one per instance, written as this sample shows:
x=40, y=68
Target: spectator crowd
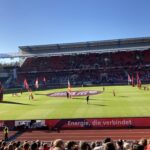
x=59, y=144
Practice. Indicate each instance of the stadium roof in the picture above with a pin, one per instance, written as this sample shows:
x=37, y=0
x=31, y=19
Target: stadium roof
x=105, y=46
x=89, y=47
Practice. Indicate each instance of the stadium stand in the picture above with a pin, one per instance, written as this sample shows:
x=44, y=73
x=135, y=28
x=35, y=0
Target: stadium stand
x=105, y=68
x=85, y=63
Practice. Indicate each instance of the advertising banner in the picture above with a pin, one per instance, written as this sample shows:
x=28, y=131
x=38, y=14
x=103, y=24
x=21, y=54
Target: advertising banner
x=98, y=123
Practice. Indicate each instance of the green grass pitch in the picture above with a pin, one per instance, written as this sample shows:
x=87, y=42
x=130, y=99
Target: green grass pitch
x=128, y=102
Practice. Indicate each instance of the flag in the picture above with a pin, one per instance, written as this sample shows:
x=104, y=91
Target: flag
x=132, y=80
x=26, y=85
x=44, y=80
x=139, y=83
x=129, y=79
x=138, y=80
x=69, y=86
x=37, y=83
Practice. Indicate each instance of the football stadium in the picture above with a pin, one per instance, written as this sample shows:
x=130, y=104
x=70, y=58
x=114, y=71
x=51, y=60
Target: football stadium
x=114, y=74
x=84, y=85
x=74, y=75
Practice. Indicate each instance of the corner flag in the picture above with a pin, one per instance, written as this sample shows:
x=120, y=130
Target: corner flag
x=26, y=85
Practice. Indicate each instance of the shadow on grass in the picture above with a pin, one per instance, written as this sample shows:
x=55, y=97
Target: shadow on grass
x=16, y=103
x=93, y=99
x=78, y=97
x=123, y=96
x=40, y=94
x=97, y=104
x=99, y=100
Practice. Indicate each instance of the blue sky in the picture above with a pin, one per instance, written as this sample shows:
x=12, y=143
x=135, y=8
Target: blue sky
x=34, y=22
